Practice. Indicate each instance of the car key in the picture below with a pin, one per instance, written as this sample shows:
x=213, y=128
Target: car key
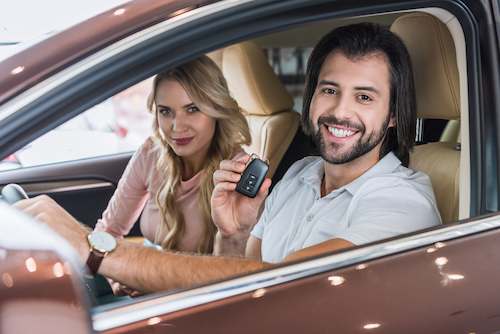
x=252, y=178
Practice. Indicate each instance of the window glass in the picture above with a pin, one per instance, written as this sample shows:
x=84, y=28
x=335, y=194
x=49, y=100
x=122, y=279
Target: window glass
x=290, y=63
x=119, y=124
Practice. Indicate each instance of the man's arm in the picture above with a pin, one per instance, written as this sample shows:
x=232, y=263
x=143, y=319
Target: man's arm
x=138, y=267
x=243, y=245
x=141, y=268
x=230, y=245
x=321, y=248
x=147, y=269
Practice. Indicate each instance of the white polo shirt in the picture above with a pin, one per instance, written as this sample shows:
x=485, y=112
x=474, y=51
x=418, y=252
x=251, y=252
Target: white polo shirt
x=387, y=200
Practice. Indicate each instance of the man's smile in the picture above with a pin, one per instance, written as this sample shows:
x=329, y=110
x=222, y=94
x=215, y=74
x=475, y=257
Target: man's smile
x=340, y=132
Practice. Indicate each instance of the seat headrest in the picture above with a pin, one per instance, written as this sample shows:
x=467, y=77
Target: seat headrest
x=252, y=81
x=434, y=61
x=216, y=57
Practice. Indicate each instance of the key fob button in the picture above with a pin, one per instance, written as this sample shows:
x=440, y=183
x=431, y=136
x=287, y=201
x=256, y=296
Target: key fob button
x=252, y=178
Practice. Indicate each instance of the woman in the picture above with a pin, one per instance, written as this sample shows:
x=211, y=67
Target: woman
x=169, y=179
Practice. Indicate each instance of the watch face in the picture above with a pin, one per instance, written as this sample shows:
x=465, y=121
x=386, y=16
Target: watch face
x=102, y=241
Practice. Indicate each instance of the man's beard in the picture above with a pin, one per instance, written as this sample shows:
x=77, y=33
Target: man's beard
x=361, y=147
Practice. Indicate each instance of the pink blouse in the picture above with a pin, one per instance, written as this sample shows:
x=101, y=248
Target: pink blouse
x=136, y=193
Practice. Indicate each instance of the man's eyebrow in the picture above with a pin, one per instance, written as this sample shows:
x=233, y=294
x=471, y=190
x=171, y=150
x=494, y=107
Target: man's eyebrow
x=328, y=82
x=333, y=83
x=368, y=88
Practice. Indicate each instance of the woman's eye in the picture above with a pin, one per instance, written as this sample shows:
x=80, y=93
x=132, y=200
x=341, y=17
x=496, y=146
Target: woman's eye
x=329, y=91
x=364, y=98
x=193, y=109
x=165, y=111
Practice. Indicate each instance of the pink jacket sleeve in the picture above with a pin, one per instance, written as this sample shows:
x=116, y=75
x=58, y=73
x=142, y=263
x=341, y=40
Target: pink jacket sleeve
x=131, y=194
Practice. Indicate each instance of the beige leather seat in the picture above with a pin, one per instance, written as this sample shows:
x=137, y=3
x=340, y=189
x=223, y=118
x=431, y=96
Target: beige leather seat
x=432, y=52
x=451, y=132
x=266, y=103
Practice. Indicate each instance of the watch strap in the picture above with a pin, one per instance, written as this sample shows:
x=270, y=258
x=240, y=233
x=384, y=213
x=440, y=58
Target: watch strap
x=94, y=261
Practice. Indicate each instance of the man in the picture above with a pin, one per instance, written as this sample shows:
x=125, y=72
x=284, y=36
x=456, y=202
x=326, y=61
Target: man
x=359, y=105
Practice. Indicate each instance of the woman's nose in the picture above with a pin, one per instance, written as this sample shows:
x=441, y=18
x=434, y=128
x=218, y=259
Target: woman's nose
x=179, y=122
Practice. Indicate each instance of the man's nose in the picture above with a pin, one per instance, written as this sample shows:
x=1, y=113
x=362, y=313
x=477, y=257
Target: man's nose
x=342, y=109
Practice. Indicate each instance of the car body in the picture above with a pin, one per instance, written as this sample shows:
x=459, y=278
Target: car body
x=442, y=280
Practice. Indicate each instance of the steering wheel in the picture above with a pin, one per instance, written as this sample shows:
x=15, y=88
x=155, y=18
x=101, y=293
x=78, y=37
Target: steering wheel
x=12, y=193
x=97, y=286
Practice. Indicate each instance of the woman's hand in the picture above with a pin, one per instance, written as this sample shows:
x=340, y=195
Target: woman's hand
x=123, y=290
x=232, y=212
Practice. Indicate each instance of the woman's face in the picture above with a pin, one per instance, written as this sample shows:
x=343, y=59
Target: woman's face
x=185, y=128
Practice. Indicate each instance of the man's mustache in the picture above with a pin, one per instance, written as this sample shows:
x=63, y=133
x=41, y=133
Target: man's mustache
x=332, y=120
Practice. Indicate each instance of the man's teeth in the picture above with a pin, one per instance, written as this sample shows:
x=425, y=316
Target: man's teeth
x=341, y=133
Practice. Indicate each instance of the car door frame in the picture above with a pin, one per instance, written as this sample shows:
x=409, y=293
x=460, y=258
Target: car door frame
x=483, y=120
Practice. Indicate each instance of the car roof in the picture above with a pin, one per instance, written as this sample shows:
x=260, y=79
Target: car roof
x=23, y=70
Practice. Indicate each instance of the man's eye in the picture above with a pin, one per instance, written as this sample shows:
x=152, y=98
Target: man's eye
x=329, y=91
x=193, y=109
x=364, y=98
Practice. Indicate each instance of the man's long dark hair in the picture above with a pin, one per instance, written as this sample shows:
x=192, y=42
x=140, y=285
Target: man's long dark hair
x=360, y=40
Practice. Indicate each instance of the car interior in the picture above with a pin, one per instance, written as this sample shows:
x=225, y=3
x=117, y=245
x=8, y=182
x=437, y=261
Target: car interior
x=437, y=52
x=261, y=94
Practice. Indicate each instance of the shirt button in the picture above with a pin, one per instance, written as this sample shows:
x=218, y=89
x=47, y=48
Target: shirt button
x=309, y=218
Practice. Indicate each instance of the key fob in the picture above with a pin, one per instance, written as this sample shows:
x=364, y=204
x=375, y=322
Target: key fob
x=252, y=178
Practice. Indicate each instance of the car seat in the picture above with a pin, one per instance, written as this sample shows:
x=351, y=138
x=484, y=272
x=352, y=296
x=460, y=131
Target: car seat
x=267, y=105
x=433, y=57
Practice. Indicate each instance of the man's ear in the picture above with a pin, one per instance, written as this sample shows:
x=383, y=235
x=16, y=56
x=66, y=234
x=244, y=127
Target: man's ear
x=392, y=122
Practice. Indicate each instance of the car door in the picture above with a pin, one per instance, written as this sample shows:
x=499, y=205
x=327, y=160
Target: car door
x=388, y=286
x=82, y=187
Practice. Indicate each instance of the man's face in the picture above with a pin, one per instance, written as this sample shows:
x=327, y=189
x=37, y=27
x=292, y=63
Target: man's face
x=349, y=111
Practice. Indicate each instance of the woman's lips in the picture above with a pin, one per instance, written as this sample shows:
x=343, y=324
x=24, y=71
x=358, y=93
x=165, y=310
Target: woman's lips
x=182, y=141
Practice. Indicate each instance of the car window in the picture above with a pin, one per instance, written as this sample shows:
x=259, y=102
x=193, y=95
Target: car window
x=117, y=125
x=290, y=63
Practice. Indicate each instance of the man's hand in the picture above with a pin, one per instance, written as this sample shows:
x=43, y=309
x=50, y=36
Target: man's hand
x=232, y=212
x=47, y=211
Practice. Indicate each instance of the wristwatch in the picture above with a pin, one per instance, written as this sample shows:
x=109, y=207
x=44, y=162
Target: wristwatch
x=101, y=244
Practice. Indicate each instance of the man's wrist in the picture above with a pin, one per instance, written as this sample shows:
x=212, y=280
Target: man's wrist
x=100, y=244
x=237, y=235
x=231, y=245
x=83, y=246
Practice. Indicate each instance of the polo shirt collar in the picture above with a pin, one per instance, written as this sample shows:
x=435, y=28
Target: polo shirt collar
x=313, y=174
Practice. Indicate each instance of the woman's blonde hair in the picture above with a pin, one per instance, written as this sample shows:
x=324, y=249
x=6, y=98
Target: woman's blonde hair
x=207, y=88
